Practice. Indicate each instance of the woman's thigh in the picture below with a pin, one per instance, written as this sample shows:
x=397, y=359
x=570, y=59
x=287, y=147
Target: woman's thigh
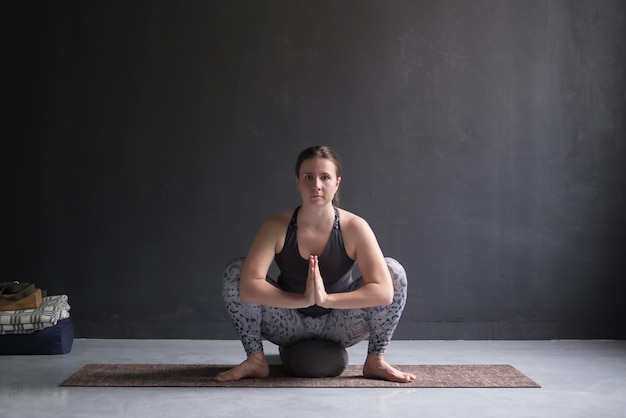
x=287, y=326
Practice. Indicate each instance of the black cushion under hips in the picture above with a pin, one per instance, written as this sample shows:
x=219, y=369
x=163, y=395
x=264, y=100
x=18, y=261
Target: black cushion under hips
x=314, y=358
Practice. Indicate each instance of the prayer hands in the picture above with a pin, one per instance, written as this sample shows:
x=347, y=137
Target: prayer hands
x=315, y=291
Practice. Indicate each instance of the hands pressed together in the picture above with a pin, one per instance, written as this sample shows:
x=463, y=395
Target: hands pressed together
x=315, y=292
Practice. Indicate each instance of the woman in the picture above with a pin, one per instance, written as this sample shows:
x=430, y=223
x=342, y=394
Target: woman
x=315, y=248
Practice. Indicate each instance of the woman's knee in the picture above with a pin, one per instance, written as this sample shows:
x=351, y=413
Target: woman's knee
x=230, y=285
x=398, y=274
x=233, y=269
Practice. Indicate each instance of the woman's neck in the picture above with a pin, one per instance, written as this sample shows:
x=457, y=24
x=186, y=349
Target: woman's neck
x=316, y=216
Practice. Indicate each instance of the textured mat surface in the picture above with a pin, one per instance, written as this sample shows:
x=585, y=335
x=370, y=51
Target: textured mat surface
x=201, y=375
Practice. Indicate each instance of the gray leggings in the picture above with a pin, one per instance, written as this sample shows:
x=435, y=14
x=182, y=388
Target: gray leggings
x=284, y=327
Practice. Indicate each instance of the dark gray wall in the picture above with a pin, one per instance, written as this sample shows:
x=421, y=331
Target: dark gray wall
x=482, y=140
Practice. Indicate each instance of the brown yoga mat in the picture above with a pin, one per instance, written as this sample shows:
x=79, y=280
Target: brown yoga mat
x=201, y=375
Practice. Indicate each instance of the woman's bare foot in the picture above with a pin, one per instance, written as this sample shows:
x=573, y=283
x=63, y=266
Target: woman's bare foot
x=254, y=366
x=377, y=368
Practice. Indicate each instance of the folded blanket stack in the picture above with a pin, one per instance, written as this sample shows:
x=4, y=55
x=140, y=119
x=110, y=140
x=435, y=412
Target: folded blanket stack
x=45, y=330
x=26, y=321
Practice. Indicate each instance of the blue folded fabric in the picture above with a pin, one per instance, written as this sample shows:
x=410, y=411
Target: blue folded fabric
x=57, y=339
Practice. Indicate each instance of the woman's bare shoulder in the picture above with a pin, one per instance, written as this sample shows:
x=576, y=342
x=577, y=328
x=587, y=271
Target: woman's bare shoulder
x=281, y=217
x=358, y=236
x=277, y=221
x=351, y=221
x=271, y=233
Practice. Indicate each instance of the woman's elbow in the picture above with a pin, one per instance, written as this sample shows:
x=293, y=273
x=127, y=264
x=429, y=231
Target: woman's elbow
x=245, y=293
x=386, y=297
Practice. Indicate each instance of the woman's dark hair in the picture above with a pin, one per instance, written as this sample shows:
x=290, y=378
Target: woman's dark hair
x=320, y=151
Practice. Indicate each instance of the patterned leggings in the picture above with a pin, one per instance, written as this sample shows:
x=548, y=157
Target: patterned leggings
x=284, y=327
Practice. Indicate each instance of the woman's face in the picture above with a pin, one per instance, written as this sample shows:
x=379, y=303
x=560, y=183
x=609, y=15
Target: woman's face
x=317, y=181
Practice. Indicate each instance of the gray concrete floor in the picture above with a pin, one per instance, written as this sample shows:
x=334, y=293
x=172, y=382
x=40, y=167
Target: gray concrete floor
x=578, y=379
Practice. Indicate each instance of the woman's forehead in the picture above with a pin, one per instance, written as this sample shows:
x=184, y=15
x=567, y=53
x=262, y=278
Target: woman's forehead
x=317, y=165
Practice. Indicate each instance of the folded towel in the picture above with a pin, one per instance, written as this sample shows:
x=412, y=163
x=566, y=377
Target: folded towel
x=26, y=321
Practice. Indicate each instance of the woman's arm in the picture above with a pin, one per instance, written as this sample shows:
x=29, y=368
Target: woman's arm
x=253, y=285
x=378, y=287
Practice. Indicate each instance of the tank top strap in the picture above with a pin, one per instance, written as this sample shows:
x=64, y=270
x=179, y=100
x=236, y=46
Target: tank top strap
x=294, y=218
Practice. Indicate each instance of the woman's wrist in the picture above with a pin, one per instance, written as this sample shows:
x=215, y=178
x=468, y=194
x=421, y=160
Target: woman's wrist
x=328, y=301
